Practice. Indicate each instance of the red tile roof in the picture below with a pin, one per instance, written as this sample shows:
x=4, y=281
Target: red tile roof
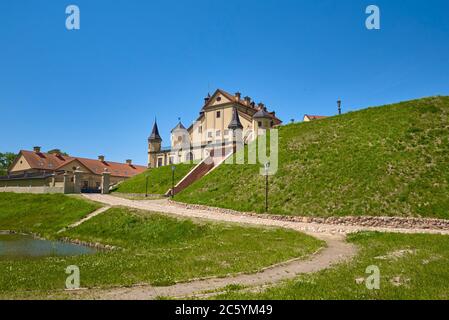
x=53, y=162
x=312, y=117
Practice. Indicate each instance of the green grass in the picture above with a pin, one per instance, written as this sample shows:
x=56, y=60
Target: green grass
x=390, y=161
x=411, y=267
x=43, y=214
x=156, y=249
x=159, y=180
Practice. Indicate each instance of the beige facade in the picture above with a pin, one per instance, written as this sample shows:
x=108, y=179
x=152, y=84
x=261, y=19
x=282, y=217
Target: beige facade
x=30, y=168
x=211, y=128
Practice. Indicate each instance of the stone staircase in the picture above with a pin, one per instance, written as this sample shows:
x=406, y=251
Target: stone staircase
x=215, y=158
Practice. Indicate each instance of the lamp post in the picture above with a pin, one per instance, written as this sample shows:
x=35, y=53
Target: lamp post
x=173, y=181
x=146, y=185
x=267, y=168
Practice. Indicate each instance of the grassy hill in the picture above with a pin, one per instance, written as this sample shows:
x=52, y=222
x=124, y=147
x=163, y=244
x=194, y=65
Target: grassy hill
x=390, y=160
x=159, y=180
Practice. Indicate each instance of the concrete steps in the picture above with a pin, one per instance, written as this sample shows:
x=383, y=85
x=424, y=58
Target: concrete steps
x=215, y=158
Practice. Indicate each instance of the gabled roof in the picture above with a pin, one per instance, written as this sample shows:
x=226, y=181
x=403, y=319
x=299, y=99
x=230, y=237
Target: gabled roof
x=155, y=133
x=240, y=102
x=54, y=162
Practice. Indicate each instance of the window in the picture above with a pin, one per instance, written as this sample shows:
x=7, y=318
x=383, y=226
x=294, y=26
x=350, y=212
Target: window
x=218, y=99
x=159, y=162
x=179, y=138
x=200, y=129
x=171, y=160
x=226, y=132
x=218, y=114
x=259, y=123
x=218, y=133
x=209, y=134
x=85, y=184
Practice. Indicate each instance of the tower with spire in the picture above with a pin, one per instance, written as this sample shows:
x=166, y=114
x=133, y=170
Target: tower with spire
x=154, y=146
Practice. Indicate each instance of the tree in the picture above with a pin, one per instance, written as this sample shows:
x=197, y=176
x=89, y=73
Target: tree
x=6, y=159
x=57, y=151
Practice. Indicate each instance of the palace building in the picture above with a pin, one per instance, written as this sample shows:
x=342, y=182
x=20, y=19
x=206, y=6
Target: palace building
x=221, y=115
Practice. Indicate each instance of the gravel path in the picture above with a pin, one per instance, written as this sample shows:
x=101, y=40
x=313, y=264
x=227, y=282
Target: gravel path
x=313, y=228
x=87, y=218
x=337, y=250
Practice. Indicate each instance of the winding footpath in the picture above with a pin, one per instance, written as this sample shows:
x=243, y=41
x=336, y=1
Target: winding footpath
x=336, y=251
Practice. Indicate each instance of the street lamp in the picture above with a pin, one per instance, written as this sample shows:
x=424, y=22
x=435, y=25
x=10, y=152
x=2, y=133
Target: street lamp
x=146, y=185
x=173, y=181
x=267, y=168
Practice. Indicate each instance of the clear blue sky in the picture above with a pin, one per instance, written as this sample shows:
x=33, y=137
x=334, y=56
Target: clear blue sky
x=97, y=90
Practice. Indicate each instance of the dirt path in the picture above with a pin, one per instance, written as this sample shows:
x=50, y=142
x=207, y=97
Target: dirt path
x=337, y=250
x=312, y=228
x=87, y=218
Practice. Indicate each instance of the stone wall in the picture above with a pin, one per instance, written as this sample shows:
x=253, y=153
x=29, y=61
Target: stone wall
x=35, y=189
x=366, y=221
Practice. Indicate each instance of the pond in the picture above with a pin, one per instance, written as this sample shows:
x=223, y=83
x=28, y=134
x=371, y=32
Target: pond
x=23, y=246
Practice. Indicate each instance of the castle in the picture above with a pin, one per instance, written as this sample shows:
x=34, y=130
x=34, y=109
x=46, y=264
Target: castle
x=221, y=116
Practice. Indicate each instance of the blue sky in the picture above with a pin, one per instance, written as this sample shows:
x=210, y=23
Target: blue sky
x=97, y=90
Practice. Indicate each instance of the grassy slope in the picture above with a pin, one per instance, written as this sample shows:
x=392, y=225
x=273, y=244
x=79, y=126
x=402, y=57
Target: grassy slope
x=43, y=214
x=156, y=249
x=420, y=272
x=392, y=160
x=159, y=181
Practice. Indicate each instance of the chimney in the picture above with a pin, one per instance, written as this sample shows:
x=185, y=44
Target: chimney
x=37, y=149
x=206, y=100
x=247, y=100
x=238, y=95
x=339, y=106
x=101, y=158
x=261, y=106
x=129, y=162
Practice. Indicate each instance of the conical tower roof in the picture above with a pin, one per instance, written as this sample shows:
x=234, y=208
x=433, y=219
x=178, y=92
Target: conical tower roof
x=262, y=114
x=155, y=133
x=235, y=122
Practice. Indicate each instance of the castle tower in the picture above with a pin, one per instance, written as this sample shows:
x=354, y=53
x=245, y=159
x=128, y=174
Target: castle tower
x=237, y=130
x=262, y=120
x=179, y=136
x=154, y=146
